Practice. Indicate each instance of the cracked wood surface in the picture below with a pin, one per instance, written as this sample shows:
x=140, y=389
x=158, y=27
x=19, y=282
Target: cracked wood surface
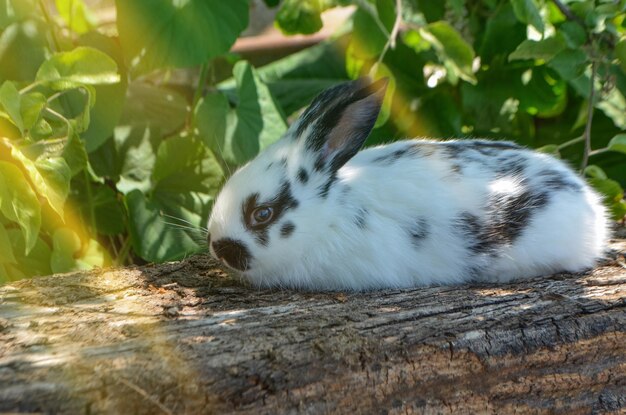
x=186, y=338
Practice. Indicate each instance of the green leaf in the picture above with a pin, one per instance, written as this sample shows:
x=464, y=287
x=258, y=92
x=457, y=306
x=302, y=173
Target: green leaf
x=156, y=237
x=569, y=63
x=74, y=154
x=186, y=177
x=296, y=79
x=108, y=209
x=36, y=262
x=544, y=49
x=527, y=12
x=259, y=121
x=183, y=165
x=415, y=41
x=6, y=251
x=23, y=47
x=11, y=101
x=503, y=33
x=613, y=196
x=50, y=176
x=613, y=105
x=149, y=113
x=69, y=253
x=31, y=105
x=81, y=66
x=620, y=53
x=18, y=202
x=618, y=143
x=12, y=11
x=573, y=33
x=301, y=16
x=550, y=149
x=210, y=118
x=178, y=33
x=65, y=244
x=76, y=15
x=107, y=110
x=595, y=172
x=255, y=122
x=451, y=47
x=160, y=108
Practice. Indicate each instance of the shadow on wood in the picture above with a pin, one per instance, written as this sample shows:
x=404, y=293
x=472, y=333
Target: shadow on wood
x=185, y=338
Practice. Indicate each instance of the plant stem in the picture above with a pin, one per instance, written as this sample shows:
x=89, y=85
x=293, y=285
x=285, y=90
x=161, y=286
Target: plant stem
x=204, y=70
x=28, y=88
x=587, y=133
x=124, y=251
x=50, y=24
x=391, y=41
x=598, y=151
x=570, y=142
x=92, y=210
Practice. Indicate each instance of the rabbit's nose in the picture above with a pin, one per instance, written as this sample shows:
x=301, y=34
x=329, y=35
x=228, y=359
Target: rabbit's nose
x=232, y=252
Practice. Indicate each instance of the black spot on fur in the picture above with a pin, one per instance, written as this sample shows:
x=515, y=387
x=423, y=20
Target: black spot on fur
x=280, y=203
x=473, y=231
x=325, y=188
x=419, y=231
x=411, y=150
x=320, y=163
x=466, y=150
x=510, y=165
x=391, y=157
x=494, y=144
x=344, y=192
x=507, y=218
x=360, y=219
x=303, y=176
x=234, y=253
x=510, y=215
x=556, y=180
x=287, y=229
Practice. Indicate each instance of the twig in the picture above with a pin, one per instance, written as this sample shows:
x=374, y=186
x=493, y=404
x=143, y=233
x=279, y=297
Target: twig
x=145, y=395
x=391, y=41
x=568, y=13
x=587, y=133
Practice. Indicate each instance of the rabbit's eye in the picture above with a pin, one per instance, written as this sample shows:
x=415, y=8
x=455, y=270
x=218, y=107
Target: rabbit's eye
x=262, y=215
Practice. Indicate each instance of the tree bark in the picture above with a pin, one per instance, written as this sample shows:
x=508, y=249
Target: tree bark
x=186, y=338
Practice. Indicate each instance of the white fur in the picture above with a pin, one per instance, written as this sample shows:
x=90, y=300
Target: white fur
x=328, y=252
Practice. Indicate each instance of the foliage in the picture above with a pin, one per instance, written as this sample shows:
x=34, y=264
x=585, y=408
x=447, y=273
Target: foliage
x=104, y=158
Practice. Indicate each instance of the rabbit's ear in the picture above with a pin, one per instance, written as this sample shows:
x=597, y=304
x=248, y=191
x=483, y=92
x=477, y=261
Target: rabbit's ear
x=340, y=120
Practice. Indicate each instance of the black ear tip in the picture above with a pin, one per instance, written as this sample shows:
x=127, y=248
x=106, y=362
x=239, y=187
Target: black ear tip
x=380, y=84
x=370, y=87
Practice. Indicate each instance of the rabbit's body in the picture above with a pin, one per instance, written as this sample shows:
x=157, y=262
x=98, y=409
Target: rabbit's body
x=409, y=213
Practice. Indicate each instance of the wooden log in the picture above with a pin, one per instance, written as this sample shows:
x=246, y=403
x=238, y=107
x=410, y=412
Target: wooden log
x=186, y=338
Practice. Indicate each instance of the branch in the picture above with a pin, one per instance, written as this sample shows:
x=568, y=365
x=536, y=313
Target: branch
x=391, y=42
x=568, y=13
x=587, y=133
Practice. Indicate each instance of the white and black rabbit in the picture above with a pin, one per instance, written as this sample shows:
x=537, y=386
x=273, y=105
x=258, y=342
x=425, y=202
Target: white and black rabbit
x=314, y=212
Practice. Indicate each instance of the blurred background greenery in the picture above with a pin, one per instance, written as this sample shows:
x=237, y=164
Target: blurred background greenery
x=119, y=120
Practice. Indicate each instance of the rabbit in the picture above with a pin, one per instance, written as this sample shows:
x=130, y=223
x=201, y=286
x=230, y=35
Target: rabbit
x=313, y=212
